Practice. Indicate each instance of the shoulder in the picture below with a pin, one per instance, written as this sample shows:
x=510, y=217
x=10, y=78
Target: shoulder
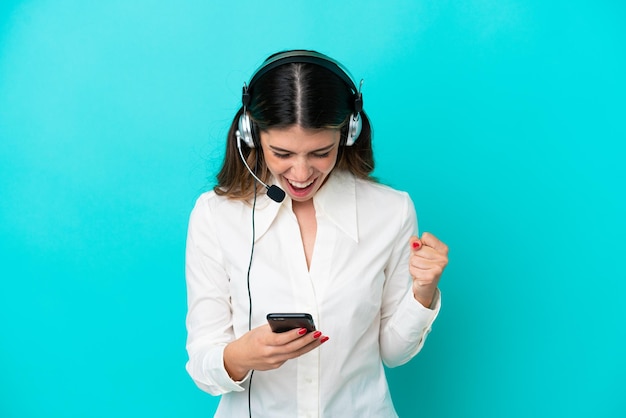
x=381, y=193
x=385, y=206
x=207, y=201
x=211, y=205
x=387, y=213
x=214, y=202
x=208, y=197
x=226, y=212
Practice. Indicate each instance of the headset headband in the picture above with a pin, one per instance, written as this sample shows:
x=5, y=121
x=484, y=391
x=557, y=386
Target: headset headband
x=307, y=57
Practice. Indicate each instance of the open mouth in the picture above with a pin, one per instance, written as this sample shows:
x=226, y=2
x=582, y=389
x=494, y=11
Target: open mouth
x=300, y=189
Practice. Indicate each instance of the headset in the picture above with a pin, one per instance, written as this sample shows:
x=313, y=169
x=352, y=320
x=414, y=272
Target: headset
x=244, y=132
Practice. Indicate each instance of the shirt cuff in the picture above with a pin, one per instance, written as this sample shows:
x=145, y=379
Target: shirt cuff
x=214, y=366
x=413, y=320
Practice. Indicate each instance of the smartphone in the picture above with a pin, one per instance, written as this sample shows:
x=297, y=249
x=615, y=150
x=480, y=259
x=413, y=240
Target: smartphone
x=283, y=322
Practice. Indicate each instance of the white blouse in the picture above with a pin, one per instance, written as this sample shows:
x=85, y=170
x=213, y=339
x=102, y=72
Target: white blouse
x=358, y=290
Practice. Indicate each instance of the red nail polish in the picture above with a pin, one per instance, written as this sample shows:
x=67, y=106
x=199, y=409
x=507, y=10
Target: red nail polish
x=302, y=331
x=323, y=340
x=317, y=334
x=416, y=245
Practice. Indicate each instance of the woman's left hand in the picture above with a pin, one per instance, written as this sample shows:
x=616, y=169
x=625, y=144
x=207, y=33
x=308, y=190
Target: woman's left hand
x=429, y=258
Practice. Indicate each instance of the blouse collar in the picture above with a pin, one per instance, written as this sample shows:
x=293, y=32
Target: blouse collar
x=336, y=200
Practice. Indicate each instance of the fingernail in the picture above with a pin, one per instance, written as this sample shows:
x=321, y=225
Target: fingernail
x=317, y=334
x=416, y=245
x=302, y=331
x=323, y=340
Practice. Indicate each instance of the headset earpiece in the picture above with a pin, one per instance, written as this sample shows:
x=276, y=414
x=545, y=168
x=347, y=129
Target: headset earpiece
x=355, y=125
x=244, y=133
x=354, y=129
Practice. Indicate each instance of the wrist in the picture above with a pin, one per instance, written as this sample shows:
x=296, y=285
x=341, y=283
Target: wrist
x=231, y=365
x=424, y=298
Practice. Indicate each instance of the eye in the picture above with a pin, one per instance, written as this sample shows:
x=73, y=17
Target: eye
x=322, y=155
x=281, y=155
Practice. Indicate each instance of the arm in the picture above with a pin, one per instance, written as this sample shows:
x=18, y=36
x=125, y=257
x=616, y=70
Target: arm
x=209, y=320
x=405, y=322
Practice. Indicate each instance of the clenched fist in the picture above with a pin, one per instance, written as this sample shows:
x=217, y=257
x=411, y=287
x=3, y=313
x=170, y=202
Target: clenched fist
x=428, y=259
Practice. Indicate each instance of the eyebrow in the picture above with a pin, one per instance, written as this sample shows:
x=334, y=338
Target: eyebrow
x=324, y=149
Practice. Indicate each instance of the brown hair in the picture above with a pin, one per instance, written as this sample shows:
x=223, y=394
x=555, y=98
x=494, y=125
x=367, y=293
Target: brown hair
x=303, y=94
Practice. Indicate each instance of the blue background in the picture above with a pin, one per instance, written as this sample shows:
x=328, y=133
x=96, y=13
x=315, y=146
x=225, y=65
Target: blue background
x=505, y=120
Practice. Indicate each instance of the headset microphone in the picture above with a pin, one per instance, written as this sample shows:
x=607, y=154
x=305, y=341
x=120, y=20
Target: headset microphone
x=273, y=192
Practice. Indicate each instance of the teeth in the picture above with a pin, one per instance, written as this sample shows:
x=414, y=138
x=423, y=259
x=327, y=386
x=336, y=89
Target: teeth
x=300, y=185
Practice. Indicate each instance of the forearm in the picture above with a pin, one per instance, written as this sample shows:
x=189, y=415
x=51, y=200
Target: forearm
x=403, y=334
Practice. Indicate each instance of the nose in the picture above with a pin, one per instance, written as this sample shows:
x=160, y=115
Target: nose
x=301, y=169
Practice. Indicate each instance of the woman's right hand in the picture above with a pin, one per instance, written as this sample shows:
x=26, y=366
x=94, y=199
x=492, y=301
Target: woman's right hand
x=262, y=349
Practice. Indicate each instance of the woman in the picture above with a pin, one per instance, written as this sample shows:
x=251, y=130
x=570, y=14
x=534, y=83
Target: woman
x=339, y=246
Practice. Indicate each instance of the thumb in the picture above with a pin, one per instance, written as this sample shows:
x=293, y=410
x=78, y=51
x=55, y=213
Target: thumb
x=415, y=243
